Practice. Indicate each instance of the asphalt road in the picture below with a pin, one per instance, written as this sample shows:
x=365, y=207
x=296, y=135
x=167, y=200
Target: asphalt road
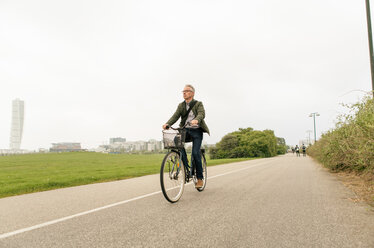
x=277, y=202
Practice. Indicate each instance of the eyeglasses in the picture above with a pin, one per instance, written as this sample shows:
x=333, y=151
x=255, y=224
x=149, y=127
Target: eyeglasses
x=185, y=91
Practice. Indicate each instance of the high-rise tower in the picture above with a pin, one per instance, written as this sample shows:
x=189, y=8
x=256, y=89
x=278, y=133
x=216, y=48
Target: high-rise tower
x=17, y=124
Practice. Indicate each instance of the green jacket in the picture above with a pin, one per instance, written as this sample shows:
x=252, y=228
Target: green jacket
x=197, y=110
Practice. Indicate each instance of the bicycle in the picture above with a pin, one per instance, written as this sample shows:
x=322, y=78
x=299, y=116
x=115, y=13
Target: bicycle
x=174, y=174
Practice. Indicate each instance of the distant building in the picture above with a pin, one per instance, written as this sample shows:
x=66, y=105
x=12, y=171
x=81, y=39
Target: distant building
x=120, y=145
x=5, y=152
x=154, y=145
x=17, y=124
x=42, y=150
x=117, y=140
x=65, y=147
x=140, y=145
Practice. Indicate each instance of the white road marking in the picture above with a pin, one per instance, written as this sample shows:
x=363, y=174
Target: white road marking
x=27, y=229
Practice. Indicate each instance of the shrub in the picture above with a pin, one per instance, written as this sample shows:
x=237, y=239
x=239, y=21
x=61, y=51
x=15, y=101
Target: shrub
x=350, y=146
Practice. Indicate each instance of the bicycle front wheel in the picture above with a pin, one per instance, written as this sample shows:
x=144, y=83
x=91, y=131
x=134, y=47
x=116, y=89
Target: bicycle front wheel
x=172, y=177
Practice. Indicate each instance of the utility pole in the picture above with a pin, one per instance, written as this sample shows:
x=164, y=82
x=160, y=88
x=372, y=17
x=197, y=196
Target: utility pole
x=314, y=120
x=368, y=18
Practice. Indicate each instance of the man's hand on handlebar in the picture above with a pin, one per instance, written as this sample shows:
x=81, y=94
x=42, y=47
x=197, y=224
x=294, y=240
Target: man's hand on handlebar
x=165, y=126
x=194, y=122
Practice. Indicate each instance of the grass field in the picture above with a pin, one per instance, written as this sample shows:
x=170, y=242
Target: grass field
x=28, y=173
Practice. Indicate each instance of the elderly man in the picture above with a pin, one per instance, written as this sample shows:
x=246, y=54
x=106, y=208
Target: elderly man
x=194, y=130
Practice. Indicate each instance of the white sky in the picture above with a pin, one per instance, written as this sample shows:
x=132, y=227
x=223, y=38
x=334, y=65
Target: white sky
x=91, y=70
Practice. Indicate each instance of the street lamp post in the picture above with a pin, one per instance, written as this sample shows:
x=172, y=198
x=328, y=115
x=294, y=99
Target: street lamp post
x=314, y=120
x=370, y=44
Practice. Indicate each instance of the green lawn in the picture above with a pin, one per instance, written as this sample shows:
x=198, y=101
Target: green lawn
x=20, y=174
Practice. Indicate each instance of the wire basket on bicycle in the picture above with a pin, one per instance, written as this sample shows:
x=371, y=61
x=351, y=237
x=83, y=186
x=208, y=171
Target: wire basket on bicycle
x=173, y=138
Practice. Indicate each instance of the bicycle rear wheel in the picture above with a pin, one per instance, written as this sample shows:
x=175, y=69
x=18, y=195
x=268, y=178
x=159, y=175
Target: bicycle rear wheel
x=172, y=177
x=205, y=174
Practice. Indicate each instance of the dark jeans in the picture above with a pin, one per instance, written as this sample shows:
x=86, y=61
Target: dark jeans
x=196, y=136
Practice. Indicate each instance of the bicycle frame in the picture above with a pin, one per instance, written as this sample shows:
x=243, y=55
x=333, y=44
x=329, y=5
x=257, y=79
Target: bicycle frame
x=188, y=169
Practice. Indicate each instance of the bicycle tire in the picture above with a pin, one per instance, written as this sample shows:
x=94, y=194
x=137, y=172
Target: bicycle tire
x=172, y=182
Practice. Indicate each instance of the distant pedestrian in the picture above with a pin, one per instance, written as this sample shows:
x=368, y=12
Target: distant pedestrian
x=297, y=150
x=304, y=150
x=293, y=150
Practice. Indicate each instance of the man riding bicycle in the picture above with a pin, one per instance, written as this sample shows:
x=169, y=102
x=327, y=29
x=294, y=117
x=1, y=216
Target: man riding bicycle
x=195, y=127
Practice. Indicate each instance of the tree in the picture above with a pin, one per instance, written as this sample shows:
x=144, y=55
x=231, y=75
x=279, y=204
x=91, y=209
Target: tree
x=247, y=142
x=281, y=146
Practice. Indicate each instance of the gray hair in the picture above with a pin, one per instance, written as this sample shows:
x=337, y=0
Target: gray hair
x=190, y=86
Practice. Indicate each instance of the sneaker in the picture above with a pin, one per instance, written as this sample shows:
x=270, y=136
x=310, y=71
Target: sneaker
x=199, y=183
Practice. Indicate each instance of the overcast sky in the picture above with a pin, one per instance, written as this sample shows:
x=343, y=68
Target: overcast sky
x=91, y=70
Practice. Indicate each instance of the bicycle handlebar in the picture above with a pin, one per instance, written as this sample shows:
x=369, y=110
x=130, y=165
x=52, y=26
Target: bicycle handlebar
x=178, y=128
